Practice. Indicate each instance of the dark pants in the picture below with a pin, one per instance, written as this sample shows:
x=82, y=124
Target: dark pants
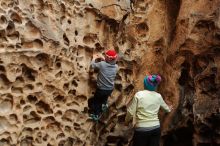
x=147, y=138
x=100, y=97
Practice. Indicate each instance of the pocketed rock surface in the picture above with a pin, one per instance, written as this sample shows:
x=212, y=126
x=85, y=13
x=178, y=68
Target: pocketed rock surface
x=45, y=81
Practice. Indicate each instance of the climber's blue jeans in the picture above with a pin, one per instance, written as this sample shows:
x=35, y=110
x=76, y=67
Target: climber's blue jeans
x=100, y=97
x=147, y=138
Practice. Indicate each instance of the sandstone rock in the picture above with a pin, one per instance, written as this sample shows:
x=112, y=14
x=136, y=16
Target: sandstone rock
x=45, y=81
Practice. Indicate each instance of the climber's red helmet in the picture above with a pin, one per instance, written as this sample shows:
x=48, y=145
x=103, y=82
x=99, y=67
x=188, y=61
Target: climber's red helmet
x=111, y=55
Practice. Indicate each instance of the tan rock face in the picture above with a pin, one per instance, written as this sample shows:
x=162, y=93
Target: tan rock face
x=45, y=81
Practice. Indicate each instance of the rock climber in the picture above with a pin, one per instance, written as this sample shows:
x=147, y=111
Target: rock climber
x=107, y=69
x=144, y=108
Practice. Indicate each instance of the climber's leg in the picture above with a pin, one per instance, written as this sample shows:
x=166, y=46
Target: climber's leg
x=154, y=139
x=146, y=138
x=91, y=105
x=140, y=138
x=100, y=97
x=105, y=100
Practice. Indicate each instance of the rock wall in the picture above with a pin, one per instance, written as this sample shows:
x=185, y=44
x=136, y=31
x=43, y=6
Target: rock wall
x=193, y=61
x=45, y=81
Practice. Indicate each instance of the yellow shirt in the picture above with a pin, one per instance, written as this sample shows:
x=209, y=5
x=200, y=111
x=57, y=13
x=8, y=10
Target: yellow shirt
x=145, y=107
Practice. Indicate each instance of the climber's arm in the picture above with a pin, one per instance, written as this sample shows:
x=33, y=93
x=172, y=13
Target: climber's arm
x=94, y=64
x=131, y=111
x=165, y=106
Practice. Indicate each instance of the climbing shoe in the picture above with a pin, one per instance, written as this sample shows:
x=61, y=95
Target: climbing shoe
x=104, y=107
x=94, y=117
